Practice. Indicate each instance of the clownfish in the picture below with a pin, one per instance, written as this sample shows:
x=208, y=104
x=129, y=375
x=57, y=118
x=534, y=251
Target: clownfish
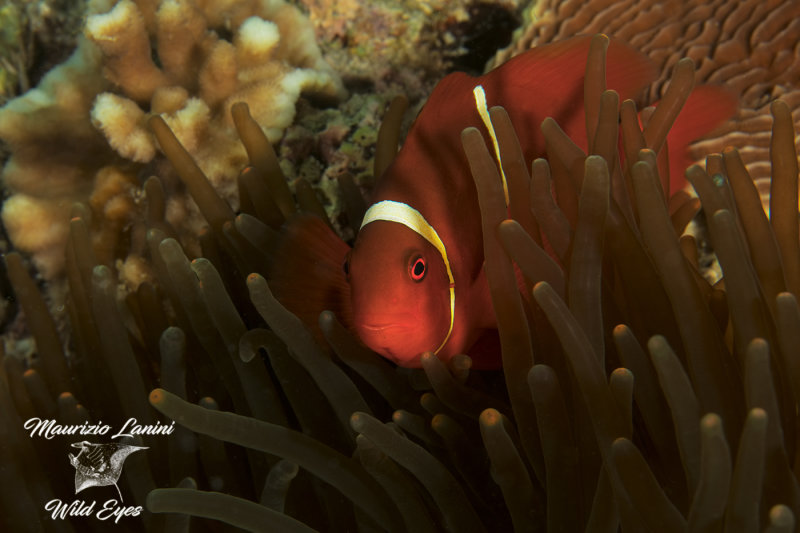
x=413, y=281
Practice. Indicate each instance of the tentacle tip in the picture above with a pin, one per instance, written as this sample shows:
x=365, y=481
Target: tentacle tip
x=438, y=421
x=611, y=95
x=758, y=416
x=646, y=155
x=469, y=132
x=619, y=446
x=100, y=272
x=358, y=421
x=656, y=342
x=785, y=298
x=157, y=396
x=541, y=288
x=207, y=402
x=539, y=373
x=620, y=329
x=173, y=333
x=497, y=111
x=326, y=319
x=240, y=107
x=722, y=216
x=781, y=515
x=462, y=361
x=778, y=106
x=490, y=417
x=710, y=421
x=622, y=372
x=246, y=353
x=548, y=122
x=596, y=161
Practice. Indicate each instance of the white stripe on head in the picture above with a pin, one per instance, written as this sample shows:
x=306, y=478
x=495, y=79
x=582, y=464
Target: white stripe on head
x=404, y=214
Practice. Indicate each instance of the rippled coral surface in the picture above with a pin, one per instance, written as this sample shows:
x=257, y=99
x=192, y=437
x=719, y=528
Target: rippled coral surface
x=751, y=48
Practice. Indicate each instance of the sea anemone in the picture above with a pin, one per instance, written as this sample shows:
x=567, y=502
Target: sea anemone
x=634, y=393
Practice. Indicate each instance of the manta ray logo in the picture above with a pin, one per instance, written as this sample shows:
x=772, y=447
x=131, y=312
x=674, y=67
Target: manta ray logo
x=99, y=465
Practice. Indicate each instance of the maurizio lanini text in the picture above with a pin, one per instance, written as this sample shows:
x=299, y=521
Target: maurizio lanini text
x=111, y=509
x=49, y=428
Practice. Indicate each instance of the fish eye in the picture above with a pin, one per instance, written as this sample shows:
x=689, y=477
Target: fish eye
x=417, y=268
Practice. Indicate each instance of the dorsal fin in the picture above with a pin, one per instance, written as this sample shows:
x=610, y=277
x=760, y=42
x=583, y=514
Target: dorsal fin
x=706, y=108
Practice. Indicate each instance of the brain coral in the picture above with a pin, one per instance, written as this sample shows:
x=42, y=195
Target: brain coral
x=80, y=134
x=751, y=47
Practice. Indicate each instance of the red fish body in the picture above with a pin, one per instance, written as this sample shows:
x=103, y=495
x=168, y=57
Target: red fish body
x=415, y=273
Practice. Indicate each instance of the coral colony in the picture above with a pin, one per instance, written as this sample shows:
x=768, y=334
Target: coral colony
x=90, y=113
x=634, y=393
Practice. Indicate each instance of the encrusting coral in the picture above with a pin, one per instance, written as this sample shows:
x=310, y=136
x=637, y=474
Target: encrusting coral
x=749, y=47
x=390, y=41
x=87, y=117
x=647, y=398
x=34, y=37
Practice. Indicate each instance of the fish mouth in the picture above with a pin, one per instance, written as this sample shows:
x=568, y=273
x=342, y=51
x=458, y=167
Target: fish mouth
x=382, y=338
x=384, y=323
